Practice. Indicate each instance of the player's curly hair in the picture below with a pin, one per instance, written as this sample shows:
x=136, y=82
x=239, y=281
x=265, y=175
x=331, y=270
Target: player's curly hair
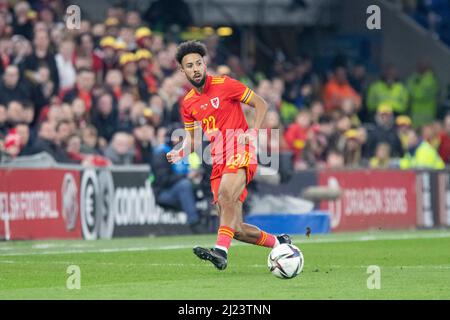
x=187, y=47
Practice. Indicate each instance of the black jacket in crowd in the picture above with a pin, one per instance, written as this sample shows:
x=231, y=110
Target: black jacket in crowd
x=43, y=145
x=33, y=62
x=163, y=173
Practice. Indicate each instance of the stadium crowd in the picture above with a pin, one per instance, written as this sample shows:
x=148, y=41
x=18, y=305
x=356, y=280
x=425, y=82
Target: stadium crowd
x=109, y=93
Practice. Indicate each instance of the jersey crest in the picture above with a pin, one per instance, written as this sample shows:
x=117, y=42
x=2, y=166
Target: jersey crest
x=215, y=102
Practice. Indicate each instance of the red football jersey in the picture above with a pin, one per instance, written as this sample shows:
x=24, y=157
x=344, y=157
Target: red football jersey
x=219, y=111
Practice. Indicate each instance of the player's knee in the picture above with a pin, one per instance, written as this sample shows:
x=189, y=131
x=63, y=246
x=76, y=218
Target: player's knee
x=225, y=197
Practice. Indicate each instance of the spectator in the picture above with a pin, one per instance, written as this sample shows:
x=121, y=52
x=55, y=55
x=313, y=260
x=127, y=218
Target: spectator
x=21, y=49
x=139, y=110
x=64, y=63
x=109, y=57
x=327, y=128
x=420, y=154
x=143, y=37
x=22, y=23
x=125, y=105
x=15, y=113
x=269, y=141
x=317, y=110
x=85, y=51
x=358, y=78
x=85, y=82
x=46, y=142
x=296, y=134
x=63, y=132
x=157, y=107
x=144, y=135
x=111, y=26
x=120, y=150
x=170, y=95
x=126, y=34
x=133, y=19
x=315, y=151
x=166, y=63
x=54, y=114
x=23, y=130
x=105, y=116
x=384, y=131
x=343, y=125
x=403, y=125
x=28, y=115
x=264, y=89
x=349, y=110
x=41, y=56
x=430, y=133
x=5, y=28
x=352, y=149
x=423, y=89
x=73, y=150
x=145, y=65
x=47, y=16
x=80, y=116
x=57, y=34
x=172, y=188
x=388, y=90
x=133, y=81
x=45, y=87
x=382, y=158
x=338, y=89
x=114, y=82
x=89, y=140
x=11, y=88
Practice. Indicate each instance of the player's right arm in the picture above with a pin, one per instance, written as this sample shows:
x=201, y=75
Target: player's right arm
x=187, y=147
x=188, y=143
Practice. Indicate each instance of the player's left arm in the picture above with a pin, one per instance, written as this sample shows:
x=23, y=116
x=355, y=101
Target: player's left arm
x=240, y=92
x=261, y=108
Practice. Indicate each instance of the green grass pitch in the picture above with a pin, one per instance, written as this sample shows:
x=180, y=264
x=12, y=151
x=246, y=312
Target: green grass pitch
x=413, y=265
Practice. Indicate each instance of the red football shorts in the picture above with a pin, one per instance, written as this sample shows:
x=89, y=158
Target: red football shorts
x=232, y=166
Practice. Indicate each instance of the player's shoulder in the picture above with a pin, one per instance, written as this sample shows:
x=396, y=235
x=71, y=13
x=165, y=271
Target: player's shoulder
x=223, y=82
x=189, y=96
x=217, y=80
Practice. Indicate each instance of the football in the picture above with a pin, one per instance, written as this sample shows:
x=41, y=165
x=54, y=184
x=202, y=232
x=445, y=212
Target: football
x=285, y=261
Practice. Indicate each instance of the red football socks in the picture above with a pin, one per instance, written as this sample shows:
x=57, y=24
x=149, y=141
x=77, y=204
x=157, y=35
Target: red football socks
x=224, y=236
x=266, y=240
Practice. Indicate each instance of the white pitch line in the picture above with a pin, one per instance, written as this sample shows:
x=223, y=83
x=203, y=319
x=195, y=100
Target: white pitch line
x=189, y=246
x=432, y=266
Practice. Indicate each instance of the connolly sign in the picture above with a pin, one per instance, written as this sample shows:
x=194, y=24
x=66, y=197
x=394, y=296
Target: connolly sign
x=121, y=203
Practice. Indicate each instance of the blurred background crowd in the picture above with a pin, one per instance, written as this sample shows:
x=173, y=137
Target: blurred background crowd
x=109, y=93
